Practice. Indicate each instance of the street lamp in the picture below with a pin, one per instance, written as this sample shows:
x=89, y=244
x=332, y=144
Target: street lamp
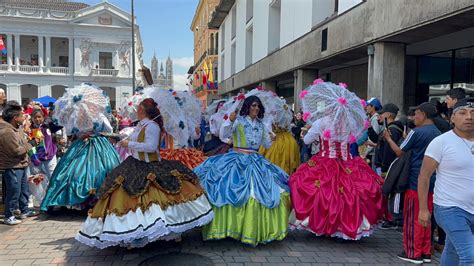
x=133, y=47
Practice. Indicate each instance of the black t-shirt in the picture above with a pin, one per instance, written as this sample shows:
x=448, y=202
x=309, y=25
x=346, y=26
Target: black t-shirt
x=384, y=155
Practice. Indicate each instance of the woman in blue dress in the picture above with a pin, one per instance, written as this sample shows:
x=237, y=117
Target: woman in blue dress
x=249, y=194
x=81, y=171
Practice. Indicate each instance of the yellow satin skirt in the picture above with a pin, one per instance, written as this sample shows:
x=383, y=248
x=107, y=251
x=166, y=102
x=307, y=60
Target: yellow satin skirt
x=284, y=152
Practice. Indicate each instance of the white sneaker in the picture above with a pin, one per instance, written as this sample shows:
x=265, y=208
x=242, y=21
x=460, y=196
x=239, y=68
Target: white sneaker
x=11, y=221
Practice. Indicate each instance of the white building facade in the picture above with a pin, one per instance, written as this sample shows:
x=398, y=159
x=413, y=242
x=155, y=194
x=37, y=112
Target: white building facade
x=253, y=29
x=55, y=44
x=404, y=52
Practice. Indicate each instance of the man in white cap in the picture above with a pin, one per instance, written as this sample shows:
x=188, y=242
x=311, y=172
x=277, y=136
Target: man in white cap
x=451, y=155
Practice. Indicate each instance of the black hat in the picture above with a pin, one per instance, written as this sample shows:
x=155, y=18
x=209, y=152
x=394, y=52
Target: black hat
x=464, y=103
x=429, y=109
x=389, y=108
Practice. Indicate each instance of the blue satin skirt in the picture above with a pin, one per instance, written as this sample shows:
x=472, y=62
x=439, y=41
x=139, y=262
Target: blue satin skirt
x=81, y=172
x=234, y=177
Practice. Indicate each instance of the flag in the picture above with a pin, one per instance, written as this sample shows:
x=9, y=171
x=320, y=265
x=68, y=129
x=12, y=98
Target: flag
x=204, y=74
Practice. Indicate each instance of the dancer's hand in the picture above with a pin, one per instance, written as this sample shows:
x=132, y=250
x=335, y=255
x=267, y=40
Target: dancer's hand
x=233, y=116
x=123, y=143
x=272, y=136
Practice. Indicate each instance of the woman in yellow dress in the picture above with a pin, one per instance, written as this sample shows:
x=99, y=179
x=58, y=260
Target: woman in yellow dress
x=284, y=151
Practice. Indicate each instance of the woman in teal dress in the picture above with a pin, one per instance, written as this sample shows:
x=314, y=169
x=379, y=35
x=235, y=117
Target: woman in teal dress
x=249, y=194
x=82, y=170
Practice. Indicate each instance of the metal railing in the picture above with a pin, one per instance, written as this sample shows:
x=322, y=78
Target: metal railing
x=105, y=72
x=59, y=70
x=3, y=67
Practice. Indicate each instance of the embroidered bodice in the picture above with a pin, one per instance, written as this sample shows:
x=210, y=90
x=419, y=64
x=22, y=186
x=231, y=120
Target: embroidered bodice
x=246, y=133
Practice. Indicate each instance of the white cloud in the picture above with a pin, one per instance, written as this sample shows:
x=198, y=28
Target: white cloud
x=180, y=81
x=185, y=62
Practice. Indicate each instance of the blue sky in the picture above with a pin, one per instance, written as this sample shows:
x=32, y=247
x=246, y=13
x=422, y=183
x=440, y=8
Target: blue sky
x=164, y=27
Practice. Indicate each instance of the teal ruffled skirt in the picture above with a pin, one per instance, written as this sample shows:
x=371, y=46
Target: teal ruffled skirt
x=81, y=172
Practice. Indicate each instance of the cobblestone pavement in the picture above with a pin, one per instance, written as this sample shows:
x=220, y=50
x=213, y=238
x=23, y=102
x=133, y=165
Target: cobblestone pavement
x=50, y=240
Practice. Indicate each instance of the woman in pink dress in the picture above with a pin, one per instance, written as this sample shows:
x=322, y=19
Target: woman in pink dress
x=334, y=194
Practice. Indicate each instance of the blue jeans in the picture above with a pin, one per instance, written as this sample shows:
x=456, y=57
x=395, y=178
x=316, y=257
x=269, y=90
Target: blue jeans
x=459, y=227
x=17, y=192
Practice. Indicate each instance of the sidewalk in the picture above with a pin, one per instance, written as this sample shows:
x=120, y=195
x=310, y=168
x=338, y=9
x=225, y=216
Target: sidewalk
x=49, y=240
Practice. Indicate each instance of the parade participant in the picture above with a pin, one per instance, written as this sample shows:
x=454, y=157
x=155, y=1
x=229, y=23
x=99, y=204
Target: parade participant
x=42, y=167
x=215, y=145
x=249, y=194
x=284, y=151
x=128, y=110
x=182, y=113
x=188, y=155
x=145, y=198
x=334, y=194
x=83, y=112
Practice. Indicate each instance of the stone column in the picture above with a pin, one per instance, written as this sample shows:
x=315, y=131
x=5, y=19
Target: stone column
x=9, y=51
x=40, y=53
x=269, y=85
x=71, y=56
x=303, y=78
x=48, y=53
x=386, y=74
x=44, y=90
x=13, y=92
x=17, y=51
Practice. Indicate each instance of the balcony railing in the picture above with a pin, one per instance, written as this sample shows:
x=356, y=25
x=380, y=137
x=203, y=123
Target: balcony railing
x=105, y=72
x=3, y=67
x=59, y=70
x=29, y=69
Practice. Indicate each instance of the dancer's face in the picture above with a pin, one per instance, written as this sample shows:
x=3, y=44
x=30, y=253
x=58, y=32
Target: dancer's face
x=141, y=112
x=254, y=110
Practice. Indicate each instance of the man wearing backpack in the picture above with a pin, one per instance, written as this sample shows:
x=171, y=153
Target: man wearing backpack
x=416, y=237
x=383, y=158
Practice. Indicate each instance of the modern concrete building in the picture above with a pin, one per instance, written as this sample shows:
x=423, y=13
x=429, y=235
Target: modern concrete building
x=206, y=47
x=54, y=44
x=404, y=52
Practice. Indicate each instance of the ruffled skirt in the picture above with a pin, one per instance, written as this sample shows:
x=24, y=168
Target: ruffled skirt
x=250, y=198
x=189, y=157
x=284, y=152
x=336, y=198
x=143, y=202
x=80, y=172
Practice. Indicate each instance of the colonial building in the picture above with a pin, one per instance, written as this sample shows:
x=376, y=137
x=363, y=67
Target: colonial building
x=54, y=44
x=203, y=75
x=404, y=52
x=162, y=78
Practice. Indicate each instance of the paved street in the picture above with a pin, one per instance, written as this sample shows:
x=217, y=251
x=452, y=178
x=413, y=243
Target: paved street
x=50, y=240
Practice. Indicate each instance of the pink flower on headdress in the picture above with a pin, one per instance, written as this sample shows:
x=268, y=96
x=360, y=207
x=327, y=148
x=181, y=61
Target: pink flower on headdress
x=366, y=123
x=130, y=103
x=342, y=100
x=303, y=94
x=260, y=88
x=317, y=81
x=226, y=117
x=352, y=139
x=363, y=103
x=342, y=84
x=306, y=116
x=174, y=93
x=241, y=97
x=327, y=134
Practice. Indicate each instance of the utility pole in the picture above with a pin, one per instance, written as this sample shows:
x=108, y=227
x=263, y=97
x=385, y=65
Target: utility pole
x=133, y=48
